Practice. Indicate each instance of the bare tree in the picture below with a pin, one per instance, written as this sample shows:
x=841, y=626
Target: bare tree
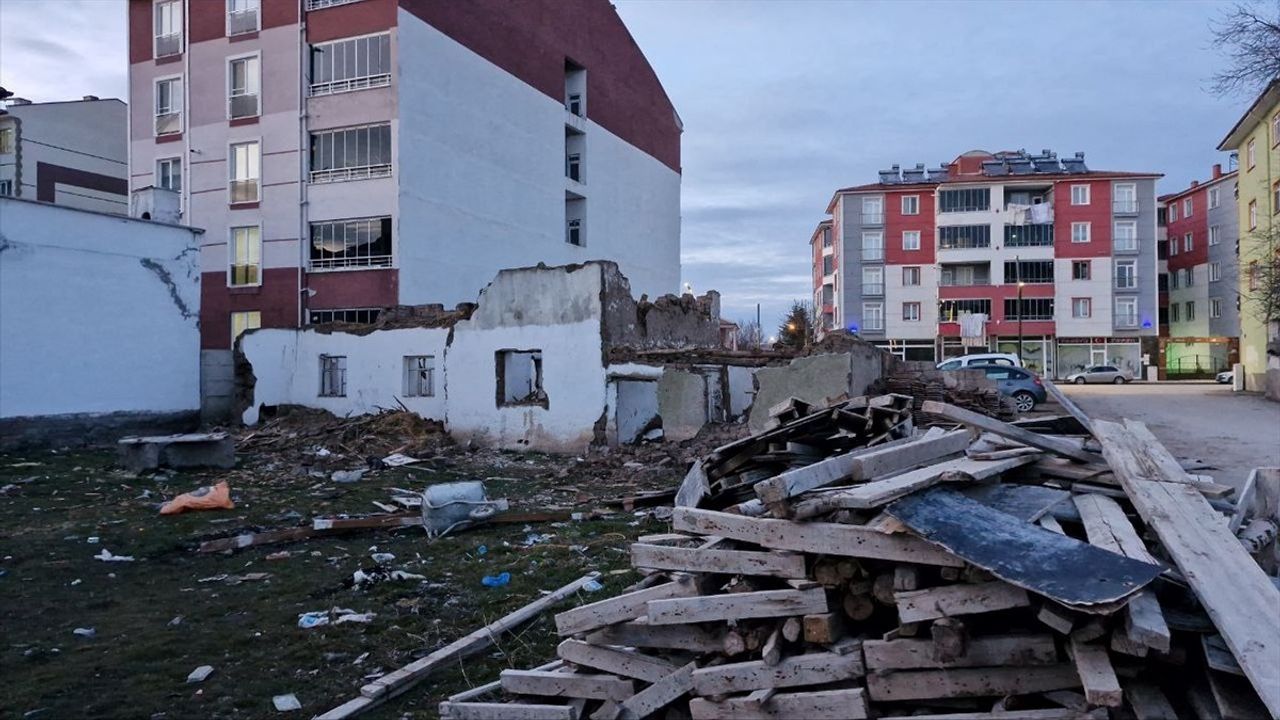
x=750, y=335
x=1260, y=270
x=1248, y=35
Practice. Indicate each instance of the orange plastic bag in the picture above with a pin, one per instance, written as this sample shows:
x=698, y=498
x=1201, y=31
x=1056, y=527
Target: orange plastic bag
x=209, y=497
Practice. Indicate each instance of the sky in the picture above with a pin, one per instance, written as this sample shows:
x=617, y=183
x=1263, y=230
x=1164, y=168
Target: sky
x=785, y=101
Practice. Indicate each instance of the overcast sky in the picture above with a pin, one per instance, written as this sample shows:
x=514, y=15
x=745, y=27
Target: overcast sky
x=783, y=102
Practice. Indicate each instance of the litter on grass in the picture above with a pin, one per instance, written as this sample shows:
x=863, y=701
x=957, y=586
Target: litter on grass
x=209, y=497
x=106, y=556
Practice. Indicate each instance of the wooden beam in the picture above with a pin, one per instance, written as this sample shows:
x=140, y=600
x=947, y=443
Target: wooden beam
x=694, y=487
x=823, y=628
x=1148, y=702
x=736, y=606
x=662, y=693
x=730, y=562
x=1050, y=714
x=613, y=660
x=621, y=608
x=951, y=600
x=505, y=711
x=1101, y=686
x=495, y=686
x=814, y=537
x=1067, y=404
x=905, y=654
x=570, y=685
x=809, y=669
x=845, y=704
x=639, y=633
x=1057, y=446
x=970, y=682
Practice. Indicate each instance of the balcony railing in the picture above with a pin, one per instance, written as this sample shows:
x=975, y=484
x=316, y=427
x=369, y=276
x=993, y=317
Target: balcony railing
x=348, y=262
x=1028, y=235
x=1124, y=245
x=976, y=282
x=872, y=254
x=170, y=44
x=169, y=123
x=244, y=191
x=243, y=106
x=873, y=288
x=1124, y=207
x=1126, y=320
x=360, y=83
x=244, y=21
x=1126, y=282
x=319, y=4
x=364, y=172
x=873, y=218
x=873, y=325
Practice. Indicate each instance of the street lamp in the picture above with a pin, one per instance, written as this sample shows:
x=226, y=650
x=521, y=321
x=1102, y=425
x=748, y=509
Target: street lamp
x=1021, y=312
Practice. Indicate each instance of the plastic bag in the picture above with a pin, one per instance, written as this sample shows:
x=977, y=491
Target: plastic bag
x=209, y=497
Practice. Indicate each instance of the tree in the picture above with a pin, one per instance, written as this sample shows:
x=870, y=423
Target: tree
x=798, y=326
x=1248, y=35
x=749, y=335
x=1260, y=285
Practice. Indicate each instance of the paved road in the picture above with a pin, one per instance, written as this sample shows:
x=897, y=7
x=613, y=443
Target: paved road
x=1235, y=432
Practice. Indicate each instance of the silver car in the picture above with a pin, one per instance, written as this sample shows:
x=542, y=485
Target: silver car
x=1100, y=374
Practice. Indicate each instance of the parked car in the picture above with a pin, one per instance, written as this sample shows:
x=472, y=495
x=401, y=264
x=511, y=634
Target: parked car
x=965, y=361
x=1025, y=387
x=1100, y=374
x=1226, y=377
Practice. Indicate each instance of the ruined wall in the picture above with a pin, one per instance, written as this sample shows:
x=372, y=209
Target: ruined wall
x=669, y=321
x=815, y=378
x=99, y=317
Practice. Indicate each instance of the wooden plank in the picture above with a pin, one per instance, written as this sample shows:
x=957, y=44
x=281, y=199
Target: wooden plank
x=906, y=654
x=505, y=711
x=619, y=609
x=1148, y=702
x=970, y=682
x=809, y=669
x=568, y=685
x=861, y=464
x=734, y=562
x=814, y=537
x=1235, y=697
x=1044, y=562
x=1050, y=714
x=659, y=695
x=613, y=660
x=496, y=685
x=1067, y=404
x=1233, y=589
x=845, y=704
x=960, y=599
x=736, y=606
x=1218, y=656
x=1097, y=677
x=1057, y=446
x=639, y=633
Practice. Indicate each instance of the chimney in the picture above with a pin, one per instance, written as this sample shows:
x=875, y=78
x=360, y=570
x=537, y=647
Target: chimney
x=1195, y=183
x=90, y=97
x=1217, y=170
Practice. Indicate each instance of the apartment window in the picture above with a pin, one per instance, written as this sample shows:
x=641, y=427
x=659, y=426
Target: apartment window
x=351, y=154
x=1028, y=271
x=1173, y=246
x=245, y=172
x=910, y=239
x=873, y=316
x=168, y=28
x=1028, y=309
x=1173, y=211
x=1187, y=241
x=1126, y=274
x=1175, y=279
x=573, y=232
x=1081, y=307
x=964, y=236
x=243, y=84
x=1081, y=270
x=1079, y=194
x=967, y=200
x=573, y=167
x=965, y=275
x=1127, y=312
x=1253, y=214
x=419, y=375
x=362, y=242
x=6, y=141
x=1190, y=310
x=1215, y=308
x=1275, y=198
x=242, y=16
x=828, y=264
x=520, y=377
x=245, y=253
x=911, y=312
x=242, y=321
x=910, y=275
x=1215, y=234
x=1255, y=277
x=1187, y=208
x=6, y=188
x=169, y=174
x=333, y=376
x=1215, y=272
x=573, y=103
x=826, y=237
x=1125, y=238
x=1175, y=312
x=951, y=310
x=168, y=106
x=910, y=204
x=1126, y=198
x=1275, y=129
x=1080, y=232
x=1251, y=156
x=872, y=211
x=1215, y=197
x=873, y=280
x=1039, y=235
x=355, y=316
x=1188, y=277
x=353, y=64
x=872, y=246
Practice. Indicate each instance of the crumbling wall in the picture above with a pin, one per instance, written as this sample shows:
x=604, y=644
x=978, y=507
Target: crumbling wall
x=812, y=379
x=682, y=403
x=669, y=321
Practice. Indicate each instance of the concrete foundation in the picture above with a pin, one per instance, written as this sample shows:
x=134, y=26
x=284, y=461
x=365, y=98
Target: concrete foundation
x=88, y=429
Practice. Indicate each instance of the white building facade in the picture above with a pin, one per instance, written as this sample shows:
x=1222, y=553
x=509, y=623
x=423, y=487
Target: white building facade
x=70, y=153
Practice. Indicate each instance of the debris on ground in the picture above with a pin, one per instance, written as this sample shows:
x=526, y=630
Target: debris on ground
x=188, y=450
x=333, y=616
x=209, y=497
x=498, y=580
x=200, y=673
x=285, y=703
x=107, y=556
x=84, y=632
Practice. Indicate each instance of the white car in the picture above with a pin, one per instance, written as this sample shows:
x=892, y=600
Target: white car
x=1226, y=377
x=965, y=361
x=1100, y=374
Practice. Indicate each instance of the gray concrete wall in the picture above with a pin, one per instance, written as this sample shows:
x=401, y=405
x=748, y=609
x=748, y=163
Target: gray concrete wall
x=669, y=321
x=1148, y=290
x=89, y=429
x=814, y=379
x=217, y=386
x=682, y=402
x=637, y=405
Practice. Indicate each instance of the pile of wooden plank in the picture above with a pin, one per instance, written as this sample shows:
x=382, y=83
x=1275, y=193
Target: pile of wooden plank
x=969, y=389
x=987, y=572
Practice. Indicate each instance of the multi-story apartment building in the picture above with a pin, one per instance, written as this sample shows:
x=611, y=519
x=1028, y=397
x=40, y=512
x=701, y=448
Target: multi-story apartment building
x=1004, y=251
x=1204, y=321
x=1255, y=139
x=348, y=155
x=71, y=153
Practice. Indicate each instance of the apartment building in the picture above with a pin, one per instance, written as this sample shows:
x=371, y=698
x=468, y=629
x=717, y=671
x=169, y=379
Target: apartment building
x=70, y=153
x=1204, y=319
x=1005, y=251
x=349, y=155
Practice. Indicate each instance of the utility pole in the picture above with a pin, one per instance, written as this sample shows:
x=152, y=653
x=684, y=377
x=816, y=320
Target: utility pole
x=1017, y=263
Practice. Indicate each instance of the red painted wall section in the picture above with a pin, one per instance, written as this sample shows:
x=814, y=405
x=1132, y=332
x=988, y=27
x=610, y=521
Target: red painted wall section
x=1097, y=213
x=895, y=223
x=360, y=18
x=140, y=31
x=531, y=39
x=353, y=289
x=276, y=299
x=276, y=13
x=208, y=18
x=1197, y=225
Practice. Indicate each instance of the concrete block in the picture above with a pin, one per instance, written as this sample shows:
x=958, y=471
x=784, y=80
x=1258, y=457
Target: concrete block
x=812, y=379
x=177, y=451
x=682, y=403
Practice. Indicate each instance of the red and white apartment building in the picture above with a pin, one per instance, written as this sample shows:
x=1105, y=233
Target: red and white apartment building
x=1006, y=251
x=348, y=155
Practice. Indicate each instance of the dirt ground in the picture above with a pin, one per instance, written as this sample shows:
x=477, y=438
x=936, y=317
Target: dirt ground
x=156, y=619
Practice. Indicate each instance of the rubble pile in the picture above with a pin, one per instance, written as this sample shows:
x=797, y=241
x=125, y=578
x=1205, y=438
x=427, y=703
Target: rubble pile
x=965, y=388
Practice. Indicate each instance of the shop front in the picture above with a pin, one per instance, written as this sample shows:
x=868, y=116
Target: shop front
x=1077, y=353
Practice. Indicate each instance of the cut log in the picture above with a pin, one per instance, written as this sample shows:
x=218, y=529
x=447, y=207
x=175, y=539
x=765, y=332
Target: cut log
x=823, y=628
x=735, y=606
x=733, y=562
x=952, y=600
x=846, y=704
x=1097, y=676
x=809, y=669
x=626, y=663
x=970, y=682
x=621, y=608
x=1057, y=446
x=881, y=655
x=570, y=685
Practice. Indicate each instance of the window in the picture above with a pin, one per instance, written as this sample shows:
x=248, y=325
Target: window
x=968, y=200
x=1126, y=312
x=910, y=275
x=964, y=236
x=245, y=253
x=168, y=106
x=6, y=188
x=573, y=232
x=1187, y=242
x=1126, y=274
x=1173, y=246
x=828, y=264
x=351, y=154
x=1175, y=312
x=1081, y=270
x=1215, y=234
x=1081, y=307
x=1251, y=156
x=1187, y=208
x=910, y=239
x=872, y=211
x=573, y=103
x=520, y=377
x=242, y=16
x=911, y=312
x=1175, y=279
x=1255, y=277
x=244, y=172
x=353, y=64
x=6, y=141
x=364, y=242
x=873, y=316
x=1215, y=197
x=965, y=275
x=242, y=321
x=242, y=87
x=1126, y=198
x=1028, y=309
x=951, y=310
x=1126, y=236
x=1173, y=211
x=1275, y=129
x=358, y=316
x=1190, y=310
x=910, y=204
x=1215, y=308
x=873, y=280
x=1215, y=272
x=872, y=246
x=333, y=376
x=1079, y=194
x=1253, y=214
x=1028, y=271
x=1039, y=235
x=168, y=28
x=1188, y=277
x=1080, y=232
x=573, y=167
x=169, y=174
x=826, y=237
x=1275, y=198
x=419, y=375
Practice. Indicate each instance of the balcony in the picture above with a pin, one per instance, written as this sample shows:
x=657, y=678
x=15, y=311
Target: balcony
x=320, y=4
x=244, y=191
x=1124, y=207
x=1028, y=235
x=169, y=123
x=363, y=172
x=1126, y=320
x=360, y=83
x=873, y=288
x=341, y=263
x=167, y=45
x=1124, y=246
x=243, y=106
x=875, y=254
x=240, y=22
x=872, y=218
